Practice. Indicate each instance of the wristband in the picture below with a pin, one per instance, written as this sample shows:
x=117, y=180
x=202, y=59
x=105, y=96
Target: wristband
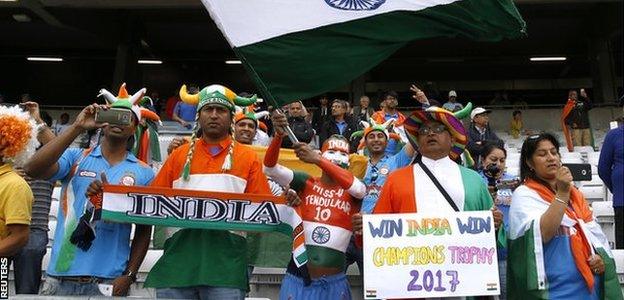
x=561, y=201
x=130, y=275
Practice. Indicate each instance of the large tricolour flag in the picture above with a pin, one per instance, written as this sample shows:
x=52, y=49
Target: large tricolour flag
x=301, y=48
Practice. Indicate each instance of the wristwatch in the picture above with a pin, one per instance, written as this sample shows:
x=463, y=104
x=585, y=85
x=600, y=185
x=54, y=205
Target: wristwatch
x=131, y=275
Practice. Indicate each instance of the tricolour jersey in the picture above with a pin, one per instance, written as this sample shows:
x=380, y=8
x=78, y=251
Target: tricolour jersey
x=326, y=212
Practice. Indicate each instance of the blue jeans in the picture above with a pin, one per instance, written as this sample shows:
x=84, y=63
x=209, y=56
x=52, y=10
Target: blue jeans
x=55, y=287
x=201, y=292
x=27, y=263
x=334, y=287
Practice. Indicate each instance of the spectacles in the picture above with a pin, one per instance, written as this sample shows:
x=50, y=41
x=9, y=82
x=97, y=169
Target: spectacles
x=424, y=130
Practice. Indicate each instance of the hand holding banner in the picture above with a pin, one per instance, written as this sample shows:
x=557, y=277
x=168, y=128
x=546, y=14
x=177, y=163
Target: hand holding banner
x=426, y=255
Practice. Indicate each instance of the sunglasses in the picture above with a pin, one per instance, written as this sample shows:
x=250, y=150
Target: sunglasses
x=425, y=130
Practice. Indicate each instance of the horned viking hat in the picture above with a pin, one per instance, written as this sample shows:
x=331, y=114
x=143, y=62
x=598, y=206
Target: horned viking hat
x=212, y=94
x=123, y=100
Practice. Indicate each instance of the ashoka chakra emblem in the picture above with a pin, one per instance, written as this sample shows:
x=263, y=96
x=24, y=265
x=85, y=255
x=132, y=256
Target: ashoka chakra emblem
x=320, y=235
x=355, y=4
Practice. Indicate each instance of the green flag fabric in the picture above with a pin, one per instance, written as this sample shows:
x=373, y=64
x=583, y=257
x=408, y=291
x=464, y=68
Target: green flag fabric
x=299, y=49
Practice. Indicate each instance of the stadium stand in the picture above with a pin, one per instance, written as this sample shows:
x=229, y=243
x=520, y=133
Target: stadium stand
x=267, y=281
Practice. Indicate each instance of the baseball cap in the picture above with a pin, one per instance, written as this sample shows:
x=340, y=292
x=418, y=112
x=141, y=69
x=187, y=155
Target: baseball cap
x=452, y=94
x=478, y=111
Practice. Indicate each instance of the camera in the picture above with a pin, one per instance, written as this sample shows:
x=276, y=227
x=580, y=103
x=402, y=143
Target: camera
x=491, y=172
x=117, y=116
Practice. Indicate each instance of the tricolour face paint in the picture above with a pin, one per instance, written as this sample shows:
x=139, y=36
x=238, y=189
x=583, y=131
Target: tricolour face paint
x=336, y=150
x=337, y=157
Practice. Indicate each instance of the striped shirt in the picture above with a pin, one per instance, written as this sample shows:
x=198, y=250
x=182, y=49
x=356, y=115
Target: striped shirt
x=42, y=191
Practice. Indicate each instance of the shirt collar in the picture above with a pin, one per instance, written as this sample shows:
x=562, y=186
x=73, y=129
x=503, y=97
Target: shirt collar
x=383, y=159
x=442, y=162
x=4, y=168
x=97, y=152
x=394, y=115
x=223, y=144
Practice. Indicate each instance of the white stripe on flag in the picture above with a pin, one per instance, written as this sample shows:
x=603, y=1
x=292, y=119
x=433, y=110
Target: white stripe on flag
x=117, y=202
x=539, y=255
x=319, y=234
x=279, y=17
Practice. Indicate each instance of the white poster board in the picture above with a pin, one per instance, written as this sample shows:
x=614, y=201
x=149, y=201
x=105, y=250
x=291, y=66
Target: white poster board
x=430, y=255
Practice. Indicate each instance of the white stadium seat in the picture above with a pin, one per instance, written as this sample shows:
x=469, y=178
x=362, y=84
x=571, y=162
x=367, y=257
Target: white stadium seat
x=618, y=256
x=56, y=193
x=150, y=260
x=52, y=226
x=593, y=158
x=605, y=216
x=54, y=207
x=593, y=193
x=572, y=157
x=513, y=156
x=513, y=171
x=584, y=149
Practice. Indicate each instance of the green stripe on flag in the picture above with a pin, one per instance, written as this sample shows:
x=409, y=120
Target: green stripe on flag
x=325, y=257
x=308, y=63
x=522, y=279
x=610, y=284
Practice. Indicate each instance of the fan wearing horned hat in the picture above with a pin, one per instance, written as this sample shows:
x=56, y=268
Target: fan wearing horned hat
x=86, y=253
x=211, y=263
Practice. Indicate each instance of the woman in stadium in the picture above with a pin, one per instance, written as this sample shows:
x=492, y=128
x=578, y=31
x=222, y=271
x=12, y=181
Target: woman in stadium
x=501, y=186
x=556, y=248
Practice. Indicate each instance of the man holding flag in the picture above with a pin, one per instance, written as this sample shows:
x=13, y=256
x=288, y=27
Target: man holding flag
x=327, y=205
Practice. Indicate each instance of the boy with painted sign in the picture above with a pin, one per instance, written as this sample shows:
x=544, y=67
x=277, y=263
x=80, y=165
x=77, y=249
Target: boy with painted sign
x=327, y=205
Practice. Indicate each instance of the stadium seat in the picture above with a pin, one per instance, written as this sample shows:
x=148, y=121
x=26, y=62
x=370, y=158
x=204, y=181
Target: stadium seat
x=56, y=193
x=513, y=156
x=46, y=259
x=54, y=206
x=618, y=256
x=52, y=227
x=593, y=158
x=604, y=215
x=151, y=257
x=583, y=149
x=594, y=170
x=593, y=193
x=513, y=171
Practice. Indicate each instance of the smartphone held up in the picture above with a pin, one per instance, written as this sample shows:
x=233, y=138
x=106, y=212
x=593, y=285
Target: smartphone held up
x=116, y=116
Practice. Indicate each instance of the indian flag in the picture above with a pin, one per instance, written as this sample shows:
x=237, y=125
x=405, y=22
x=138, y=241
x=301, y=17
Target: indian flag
x=325, y=241
x=204, y=210
x=299, y=49
x=526, y=272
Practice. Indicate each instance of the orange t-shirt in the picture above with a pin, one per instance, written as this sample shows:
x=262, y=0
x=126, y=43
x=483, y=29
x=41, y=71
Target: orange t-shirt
x=245, y=176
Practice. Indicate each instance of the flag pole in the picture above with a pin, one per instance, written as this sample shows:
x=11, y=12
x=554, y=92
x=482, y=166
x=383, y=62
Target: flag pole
x=288, y=130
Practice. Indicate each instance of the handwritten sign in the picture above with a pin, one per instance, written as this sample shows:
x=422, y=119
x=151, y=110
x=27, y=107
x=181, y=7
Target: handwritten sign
x=425, y=255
